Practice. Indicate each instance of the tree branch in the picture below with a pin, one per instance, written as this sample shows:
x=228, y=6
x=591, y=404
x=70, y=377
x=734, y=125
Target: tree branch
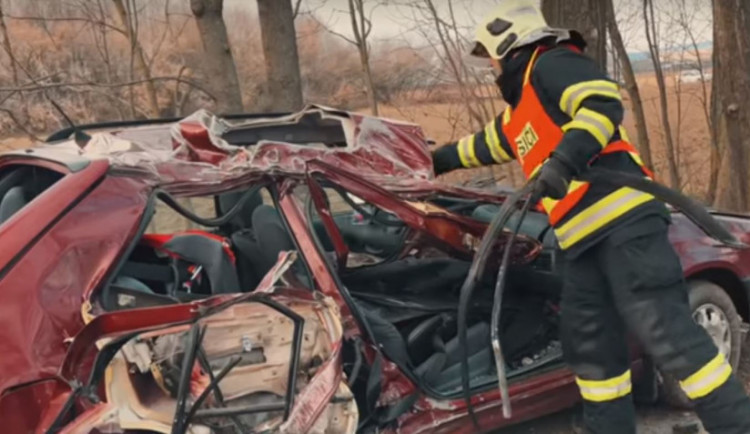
x=73, y=19
x=21, y=126
x=296, y=8
x=38, y=87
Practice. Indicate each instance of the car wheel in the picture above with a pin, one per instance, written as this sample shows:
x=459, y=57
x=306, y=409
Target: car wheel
x=714, y=311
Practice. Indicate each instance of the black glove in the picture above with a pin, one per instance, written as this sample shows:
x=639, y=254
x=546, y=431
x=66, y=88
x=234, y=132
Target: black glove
x=553, y=180
x=445, y=159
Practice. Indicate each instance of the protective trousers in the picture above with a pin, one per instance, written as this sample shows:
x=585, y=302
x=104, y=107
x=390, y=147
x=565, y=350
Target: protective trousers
x=632, y=281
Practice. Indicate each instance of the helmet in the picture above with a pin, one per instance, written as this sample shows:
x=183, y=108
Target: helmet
x=511, y=25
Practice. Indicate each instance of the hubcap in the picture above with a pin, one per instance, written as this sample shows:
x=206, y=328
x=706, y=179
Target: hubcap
x=715, y=322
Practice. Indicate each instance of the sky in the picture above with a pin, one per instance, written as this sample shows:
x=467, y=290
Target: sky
x=394, y=21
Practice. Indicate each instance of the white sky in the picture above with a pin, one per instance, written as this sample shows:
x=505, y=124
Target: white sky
x=392, y=20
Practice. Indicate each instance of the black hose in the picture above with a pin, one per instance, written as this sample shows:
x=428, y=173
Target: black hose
x=497, y=307
x=357, y=362
x=693, y=210
x=170, y=201
x=475, y=274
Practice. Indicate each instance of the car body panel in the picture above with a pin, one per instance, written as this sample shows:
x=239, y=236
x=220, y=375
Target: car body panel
x=51, y=276
x=61, y=248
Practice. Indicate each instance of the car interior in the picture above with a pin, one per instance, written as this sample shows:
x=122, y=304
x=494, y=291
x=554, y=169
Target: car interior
x=20, y=184
x=408, y=296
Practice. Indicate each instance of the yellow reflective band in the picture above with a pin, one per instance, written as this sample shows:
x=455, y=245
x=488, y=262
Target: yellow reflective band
x=624, y=134
x=466, y=152
x=503, y=154
x=594, y=123
x=536, y=170
x=708, y=378
x=462, y=154
x=549, y=204
x=599, y=214
x=636, y=158
x=605, y=390
x=573, y=96
x=530, y=68
x=506, y=115
x=492, y=142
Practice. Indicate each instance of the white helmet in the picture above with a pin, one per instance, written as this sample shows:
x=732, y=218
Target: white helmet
x=511, y=25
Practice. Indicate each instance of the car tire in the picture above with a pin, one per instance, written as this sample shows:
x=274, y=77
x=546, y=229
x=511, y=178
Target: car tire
x=707, y=301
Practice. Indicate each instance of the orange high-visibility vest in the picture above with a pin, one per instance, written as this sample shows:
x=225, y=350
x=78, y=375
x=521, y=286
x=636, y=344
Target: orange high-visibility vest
x=533, y=136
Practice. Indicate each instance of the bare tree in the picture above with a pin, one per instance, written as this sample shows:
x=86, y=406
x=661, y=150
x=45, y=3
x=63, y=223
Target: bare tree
x=219, y=63
x=687, y=15
x=7, y=46
x=652, y=37
x=361, y=28
x=731, y=92
x=631, y=85
x=361, y=25
x=130, y=23
x=585, y=16
x=283, y=90
x=449, y=48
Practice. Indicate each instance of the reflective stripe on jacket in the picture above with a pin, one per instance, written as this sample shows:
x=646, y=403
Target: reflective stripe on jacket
x=533, y=135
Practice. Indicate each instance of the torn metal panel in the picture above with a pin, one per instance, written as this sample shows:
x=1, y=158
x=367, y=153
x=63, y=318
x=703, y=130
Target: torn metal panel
x=140, y=382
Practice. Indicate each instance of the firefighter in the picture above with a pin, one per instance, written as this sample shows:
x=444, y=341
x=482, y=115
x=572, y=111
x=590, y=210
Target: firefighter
x=620, y=271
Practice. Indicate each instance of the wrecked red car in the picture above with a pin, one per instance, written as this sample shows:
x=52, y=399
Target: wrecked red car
x=316, y=289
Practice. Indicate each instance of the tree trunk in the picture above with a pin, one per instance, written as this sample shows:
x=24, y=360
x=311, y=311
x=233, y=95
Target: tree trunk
x=283, y=90
x=139, y=58
x=731, y=91
x=218, y=62
x=631, y=86
x=653, y=46
x=715, y=158
x=7, y=47
x=361, y=27
x=585, y=16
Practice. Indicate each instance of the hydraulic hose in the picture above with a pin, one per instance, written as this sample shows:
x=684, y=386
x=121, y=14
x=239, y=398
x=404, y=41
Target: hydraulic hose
x=497, y=305
x=475, y=274
x=692, y=210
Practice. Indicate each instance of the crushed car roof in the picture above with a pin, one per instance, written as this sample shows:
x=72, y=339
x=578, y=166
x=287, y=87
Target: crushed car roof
x=205, y=149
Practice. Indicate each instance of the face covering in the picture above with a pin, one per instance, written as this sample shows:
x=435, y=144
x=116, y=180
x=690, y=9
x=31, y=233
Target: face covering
x=511, y=79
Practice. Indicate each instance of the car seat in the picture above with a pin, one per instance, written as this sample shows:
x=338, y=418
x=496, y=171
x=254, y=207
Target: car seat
x=12, y=202
x=271, y=235
x=240, y=233
x=243, y=219
x=425, y=353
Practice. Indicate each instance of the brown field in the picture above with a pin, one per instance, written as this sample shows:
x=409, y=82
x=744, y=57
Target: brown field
x=446, y=122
